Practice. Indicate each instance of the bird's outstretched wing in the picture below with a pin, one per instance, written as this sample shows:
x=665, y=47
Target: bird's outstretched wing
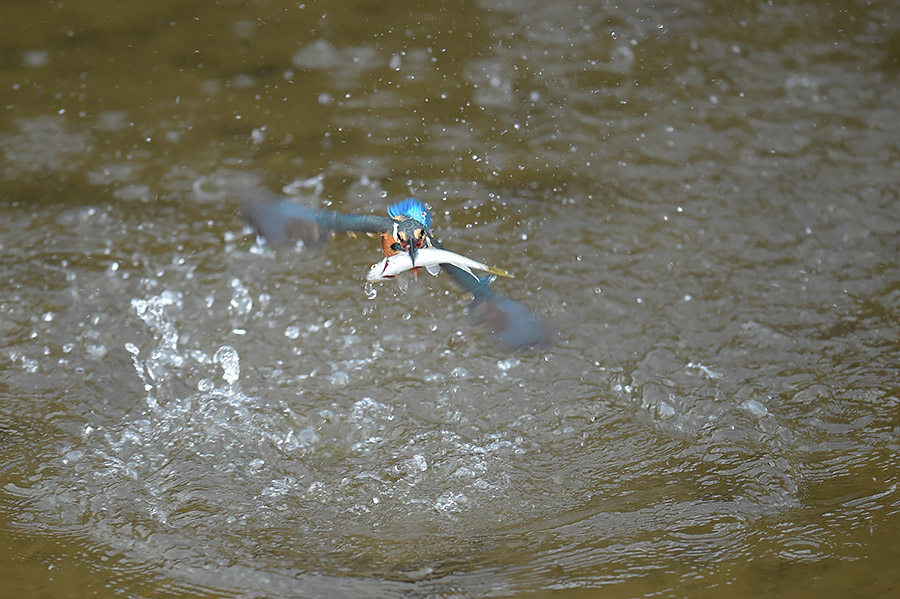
x=281, y=221
x=512, y=325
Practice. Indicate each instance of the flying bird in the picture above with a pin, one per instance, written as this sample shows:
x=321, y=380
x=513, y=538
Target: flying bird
x=405, y=230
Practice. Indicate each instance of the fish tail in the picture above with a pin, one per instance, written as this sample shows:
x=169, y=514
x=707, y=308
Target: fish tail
x=500, y=272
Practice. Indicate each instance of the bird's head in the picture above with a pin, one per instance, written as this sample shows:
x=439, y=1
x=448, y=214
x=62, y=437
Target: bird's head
x=411, y=234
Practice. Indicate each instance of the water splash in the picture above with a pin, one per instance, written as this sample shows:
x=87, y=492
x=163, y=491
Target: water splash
x=132, y=349
x=312, y=186
x=208, y=189
x=227, y=357
x=403, y=284
x=241, y=302
x=156, y=312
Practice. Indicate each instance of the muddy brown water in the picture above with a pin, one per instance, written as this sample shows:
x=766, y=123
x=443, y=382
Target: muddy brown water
x=702, y=197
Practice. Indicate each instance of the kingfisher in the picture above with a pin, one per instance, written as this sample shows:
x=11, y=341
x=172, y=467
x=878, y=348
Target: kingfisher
x=410, y=231
x=406, y=228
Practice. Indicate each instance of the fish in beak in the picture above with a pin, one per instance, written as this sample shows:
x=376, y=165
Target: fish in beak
x=432, y=259
x=413, y=251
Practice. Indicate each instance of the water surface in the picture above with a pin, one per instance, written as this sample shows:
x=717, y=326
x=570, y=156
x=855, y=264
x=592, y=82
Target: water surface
x=702, y=197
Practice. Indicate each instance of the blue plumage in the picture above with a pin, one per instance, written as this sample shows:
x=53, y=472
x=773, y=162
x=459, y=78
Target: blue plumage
x=406, y=229
x=411, y=208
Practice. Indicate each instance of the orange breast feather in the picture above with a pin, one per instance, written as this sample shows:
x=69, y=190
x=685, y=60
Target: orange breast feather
x=387, y=240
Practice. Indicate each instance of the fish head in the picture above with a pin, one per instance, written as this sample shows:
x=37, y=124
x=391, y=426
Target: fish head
x=377, y=272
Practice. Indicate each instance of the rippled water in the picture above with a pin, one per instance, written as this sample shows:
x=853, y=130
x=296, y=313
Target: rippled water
x=701, y=197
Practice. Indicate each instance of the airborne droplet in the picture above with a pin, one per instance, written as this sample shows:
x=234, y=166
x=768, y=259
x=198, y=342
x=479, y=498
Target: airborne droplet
x=227, y=357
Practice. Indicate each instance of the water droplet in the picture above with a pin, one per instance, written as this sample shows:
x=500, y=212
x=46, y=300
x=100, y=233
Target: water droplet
x=95, y=350
x=292, y=332
x=241, y=302
x=665, y=410
x=415, y=464
x=459, y=372
x=450, y=502
x=340, y=378
x=505, y=365
x=755, y=408
x=227, y=357
x=307, y=436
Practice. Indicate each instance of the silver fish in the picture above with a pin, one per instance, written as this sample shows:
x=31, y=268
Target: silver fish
x=431, y=259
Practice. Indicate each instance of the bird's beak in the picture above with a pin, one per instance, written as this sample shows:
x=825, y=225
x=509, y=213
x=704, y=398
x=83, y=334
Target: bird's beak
x=413, y=250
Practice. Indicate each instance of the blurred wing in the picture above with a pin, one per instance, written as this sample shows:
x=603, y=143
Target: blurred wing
x=512, y=325
x=281, y=221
